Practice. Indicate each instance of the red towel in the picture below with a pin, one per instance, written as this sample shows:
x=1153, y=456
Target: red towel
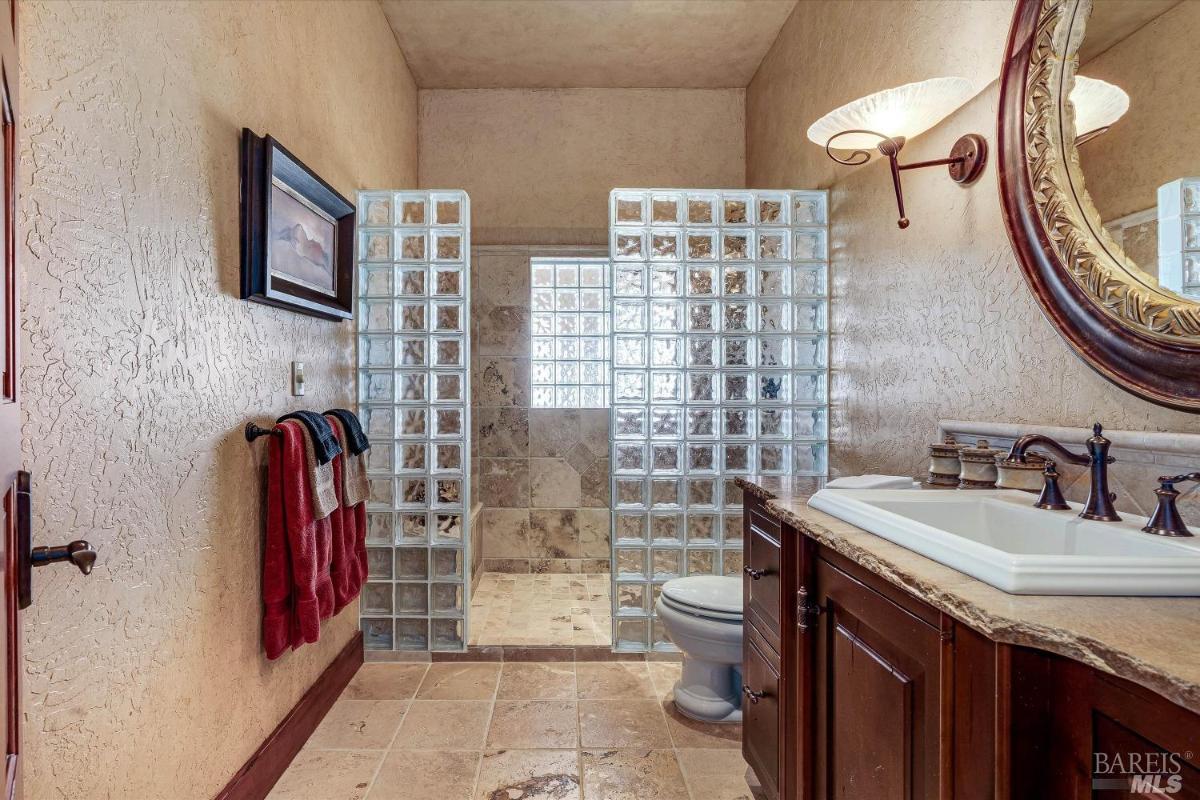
x=349, y=568
x=297, y=591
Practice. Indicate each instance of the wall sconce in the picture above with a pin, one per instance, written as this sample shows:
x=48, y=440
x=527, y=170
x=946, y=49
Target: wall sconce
x=1098, y=104
x=904, y=112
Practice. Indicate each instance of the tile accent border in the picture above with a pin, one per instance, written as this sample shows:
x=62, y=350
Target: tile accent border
x=1139, y=447
x=260, y=773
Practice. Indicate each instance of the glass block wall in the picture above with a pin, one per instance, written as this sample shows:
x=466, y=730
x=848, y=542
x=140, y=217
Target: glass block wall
x=1179, y=236
x=719, y=353
x=413, y=393
x=569, y=327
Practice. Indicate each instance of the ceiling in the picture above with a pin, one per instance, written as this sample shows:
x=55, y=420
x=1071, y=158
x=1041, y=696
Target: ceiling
x=544, y=44
x=1113, y=20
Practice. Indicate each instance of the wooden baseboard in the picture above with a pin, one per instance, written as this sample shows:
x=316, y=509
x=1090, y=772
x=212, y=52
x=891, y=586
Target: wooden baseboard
x=259, y=774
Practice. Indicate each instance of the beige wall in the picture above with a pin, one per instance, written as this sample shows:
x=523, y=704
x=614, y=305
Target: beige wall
x=935, y=321
x=831, y=52
x=146, y=679
x=539, y=163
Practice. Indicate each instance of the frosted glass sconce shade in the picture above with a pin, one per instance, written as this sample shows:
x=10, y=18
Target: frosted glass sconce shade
x=885, y=120
x=1098, y=104
x=904, y=111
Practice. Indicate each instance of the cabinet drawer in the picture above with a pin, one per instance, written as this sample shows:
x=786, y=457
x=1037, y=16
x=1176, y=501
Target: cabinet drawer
x=761, y=714
x=761, y=581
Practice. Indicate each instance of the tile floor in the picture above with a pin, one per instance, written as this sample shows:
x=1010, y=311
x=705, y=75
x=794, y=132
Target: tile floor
x=515, y=731
x=543, y=609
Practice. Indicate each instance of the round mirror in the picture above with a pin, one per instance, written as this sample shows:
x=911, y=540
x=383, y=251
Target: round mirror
x=1099, y=141
x=1136, y=83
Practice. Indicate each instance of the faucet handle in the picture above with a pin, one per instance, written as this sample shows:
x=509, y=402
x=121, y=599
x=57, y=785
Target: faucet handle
x=1051, y=497
x=1166, y=519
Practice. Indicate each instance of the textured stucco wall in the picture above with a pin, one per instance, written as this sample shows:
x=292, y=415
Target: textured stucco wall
x=935, y=321
x=539, y=163
x=831, y=52
x=146, y=679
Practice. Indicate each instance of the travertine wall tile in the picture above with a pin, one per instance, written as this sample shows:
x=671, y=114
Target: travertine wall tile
x=530, y=459
x=553, y=483
x=505, y=483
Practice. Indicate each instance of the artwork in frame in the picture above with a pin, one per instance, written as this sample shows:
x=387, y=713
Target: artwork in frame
x=297, y=234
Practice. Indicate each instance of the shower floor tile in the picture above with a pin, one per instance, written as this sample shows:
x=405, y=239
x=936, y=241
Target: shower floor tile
x=539, y=610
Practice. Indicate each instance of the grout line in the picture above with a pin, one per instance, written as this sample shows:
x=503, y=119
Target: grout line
x=578, y=730
x=396, y=733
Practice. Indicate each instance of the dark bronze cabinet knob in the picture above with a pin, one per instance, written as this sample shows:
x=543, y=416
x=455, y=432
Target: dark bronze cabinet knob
x=754, y=574
x=78, y=552
x=752, y=695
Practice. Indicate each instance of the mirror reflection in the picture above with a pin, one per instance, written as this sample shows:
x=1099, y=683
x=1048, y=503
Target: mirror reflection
x=1138, y=133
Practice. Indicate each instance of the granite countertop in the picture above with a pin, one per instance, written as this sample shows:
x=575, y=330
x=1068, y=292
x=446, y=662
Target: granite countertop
x=1152, y=641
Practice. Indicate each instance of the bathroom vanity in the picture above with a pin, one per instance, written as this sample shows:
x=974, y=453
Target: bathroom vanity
x=873, y=672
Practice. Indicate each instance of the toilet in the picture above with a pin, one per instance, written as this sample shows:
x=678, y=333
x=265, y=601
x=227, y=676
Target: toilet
x=703, y=617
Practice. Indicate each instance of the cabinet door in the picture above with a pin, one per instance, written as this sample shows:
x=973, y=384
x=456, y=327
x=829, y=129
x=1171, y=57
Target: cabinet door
x=761, y=578
x=876, y=681
x=761, y=712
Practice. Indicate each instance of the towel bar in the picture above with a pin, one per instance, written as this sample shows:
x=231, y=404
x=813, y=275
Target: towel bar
x=254, y=431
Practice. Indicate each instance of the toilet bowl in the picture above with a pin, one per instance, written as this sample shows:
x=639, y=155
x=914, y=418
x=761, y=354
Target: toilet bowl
x=703, y=617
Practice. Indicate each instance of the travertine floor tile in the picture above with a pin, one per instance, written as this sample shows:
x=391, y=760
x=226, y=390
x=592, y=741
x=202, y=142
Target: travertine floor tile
x=537, y=681
x=541, y=609
x=632, y=775
x=664, y=674
x=627, y=679
x=425, y=775
x=531, y=724
x=444, y=725
x=385, y=682
x=457, y=680
x=688, y=733
x=529, y=775
x=622, y=723
x=359, y=725
x=328, y=775
x=714, y=775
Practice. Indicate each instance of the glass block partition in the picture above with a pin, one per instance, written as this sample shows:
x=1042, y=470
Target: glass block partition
x=414, y=400
x=1179, y=236
x=719, y=353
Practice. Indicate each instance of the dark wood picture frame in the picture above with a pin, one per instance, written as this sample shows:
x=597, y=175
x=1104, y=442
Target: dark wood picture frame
x=1139, y=342
x=265, y=164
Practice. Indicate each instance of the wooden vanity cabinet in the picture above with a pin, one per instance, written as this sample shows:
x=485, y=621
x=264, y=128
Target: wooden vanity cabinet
x=876, y=691
x=868, y=693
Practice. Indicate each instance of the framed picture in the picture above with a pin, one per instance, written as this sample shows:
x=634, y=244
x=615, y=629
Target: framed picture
x=297, y=234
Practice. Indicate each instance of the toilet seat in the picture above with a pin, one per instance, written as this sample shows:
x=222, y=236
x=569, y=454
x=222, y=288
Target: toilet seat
x=708, y=596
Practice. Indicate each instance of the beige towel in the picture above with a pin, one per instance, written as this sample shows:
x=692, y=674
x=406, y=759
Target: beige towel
x=354, y=467
x=320, y=479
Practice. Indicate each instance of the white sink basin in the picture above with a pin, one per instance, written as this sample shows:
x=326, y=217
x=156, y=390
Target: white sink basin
x=1001, y=539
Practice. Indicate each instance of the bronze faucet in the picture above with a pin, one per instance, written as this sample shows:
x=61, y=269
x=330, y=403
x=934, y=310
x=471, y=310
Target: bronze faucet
x=1099, y=505
x=1166, y=520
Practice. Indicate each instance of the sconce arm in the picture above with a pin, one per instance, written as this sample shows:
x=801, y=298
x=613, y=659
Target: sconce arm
x=966, y=160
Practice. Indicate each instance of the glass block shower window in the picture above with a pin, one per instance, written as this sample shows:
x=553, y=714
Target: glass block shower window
x=569, y=332
x=1179, y=236
x=719, y=354
x=413, y=399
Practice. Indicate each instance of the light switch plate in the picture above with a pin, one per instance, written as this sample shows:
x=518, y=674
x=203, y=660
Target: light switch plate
x=298, y=378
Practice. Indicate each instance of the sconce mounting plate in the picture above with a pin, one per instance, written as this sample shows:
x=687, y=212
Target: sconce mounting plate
x=972, y=149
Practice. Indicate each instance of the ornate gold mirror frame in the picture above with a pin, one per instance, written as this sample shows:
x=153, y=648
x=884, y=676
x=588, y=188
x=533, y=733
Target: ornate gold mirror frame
x=1143, y=338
